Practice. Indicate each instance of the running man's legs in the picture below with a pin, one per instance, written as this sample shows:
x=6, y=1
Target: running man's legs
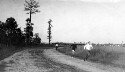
x=87, y=55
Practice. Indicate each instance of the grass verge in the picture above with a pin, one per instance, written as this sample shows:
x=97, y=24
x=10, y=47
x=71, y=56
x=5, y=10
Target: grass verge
x=98, y=54
x=6, y=51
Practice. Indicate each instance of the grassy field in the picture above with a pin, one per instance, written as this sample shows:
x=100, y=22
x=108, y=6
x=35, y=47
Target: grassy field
x=113, y=55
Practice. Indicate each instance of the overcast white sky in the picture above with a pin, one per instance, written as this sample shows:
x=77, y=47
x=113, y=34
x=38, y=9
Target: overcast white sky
x=99, y=21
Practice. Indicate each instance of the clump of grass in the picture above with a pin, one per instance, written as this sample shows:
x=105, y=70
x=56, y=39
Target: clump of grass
x=102, y=56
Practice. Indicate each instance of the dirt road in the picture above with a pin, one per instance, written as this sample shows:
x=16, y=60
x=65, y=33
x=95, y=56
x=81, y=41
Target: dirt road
x=50, y=60
x=80, y=64
x=33, y=60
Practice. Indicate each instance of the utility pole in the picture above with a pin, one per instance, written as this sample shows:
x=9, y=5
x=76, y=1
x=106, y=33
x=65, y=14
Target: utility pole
x=49, y=31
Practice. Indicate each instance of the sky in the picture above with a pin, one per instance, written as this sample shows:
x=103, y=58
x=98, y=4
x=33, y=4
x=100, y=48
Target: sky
x=98, y=21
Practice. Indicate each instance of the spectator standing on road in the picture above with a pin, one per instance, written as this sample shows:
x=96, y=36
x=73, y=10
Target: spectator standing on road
x=56, y=46
x=88, y=47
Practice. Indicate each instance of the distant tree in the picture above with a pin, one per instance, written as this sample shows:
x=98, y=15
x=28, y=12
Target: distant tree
x=13, y=33
x=10, y=34
x=49, y=31
x=31, y=6
x=2, y=33
x=36, y=39
x=17, y=37
x=11, y=24
x=28, y=31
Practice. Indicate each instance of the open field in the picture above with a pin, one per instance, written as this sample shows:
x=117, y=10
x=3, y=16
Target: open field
x=113, y=55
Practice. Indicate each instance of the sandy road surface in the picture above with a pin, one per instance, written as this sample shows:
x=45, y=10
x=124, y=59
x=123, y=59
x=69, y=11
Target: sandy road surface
x=83, y=65
x=32, y=60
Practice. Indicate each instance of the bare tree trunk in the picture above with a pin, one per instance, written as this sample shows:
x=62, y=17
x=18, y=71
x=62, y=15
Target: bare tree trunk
x=30, y=16
x=49, y=34
x=49, y=31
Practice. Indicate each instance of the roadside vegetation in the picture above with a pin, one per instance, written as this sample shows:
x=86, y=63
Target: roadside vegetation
x=13, y=38
x=6, y=51
x=100, y=54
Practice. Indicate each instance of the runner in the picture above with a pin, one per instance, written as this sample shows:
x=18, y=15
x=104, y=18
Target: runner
x=88, y=47
x=74, y=46
x=57, y=46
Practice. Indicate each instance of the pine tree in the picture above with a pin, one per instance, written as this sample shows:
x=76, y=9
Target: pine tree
x=31, y=6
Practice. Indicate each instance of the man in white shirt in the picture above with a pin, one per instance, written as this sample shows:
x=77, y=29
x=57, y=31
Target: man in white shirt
x=88, y=47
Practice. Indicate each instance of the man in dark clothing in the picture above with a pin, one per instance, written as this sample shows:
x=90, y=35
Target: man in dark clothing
x=56, y=46
x=74, y=46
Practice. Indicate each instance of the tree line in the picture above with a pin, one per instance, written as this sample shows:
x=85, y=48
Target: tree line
x=31, y=7
x=11, y=34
